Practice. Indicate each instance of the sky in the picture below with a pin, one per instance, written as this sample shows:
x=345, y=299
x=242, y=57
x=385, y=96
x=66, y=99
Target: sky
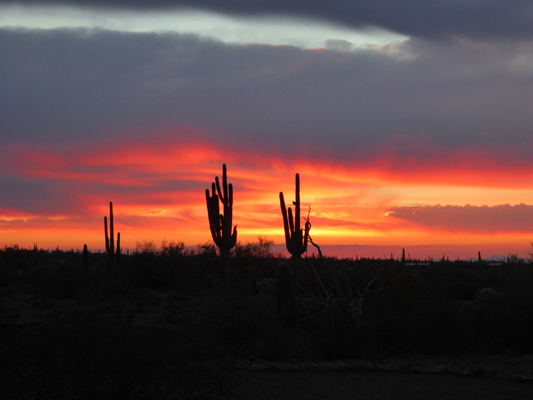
x=409, y=122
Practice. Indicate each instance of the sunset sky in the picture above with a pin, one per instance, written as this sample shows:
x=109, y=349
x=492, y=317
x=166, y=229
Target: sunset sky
x=409, y=122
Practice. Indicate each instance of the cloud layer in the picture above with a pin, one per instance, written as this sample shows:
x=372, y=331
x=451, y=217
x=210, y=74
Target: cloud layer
x=478, y=219
x=419, y=18
x=380, y=134
x=415, y=100
x=157, y=186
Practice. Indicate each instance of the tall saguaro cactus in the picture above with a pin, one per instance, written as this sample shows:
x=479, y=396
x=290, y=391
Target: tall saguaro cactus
x=110, y=239
x=295, y=237
x=221, y=224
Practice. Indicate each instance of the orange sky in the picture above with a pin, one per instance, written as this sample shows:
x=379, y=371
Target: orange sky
x=157, y=189
x=408, y=129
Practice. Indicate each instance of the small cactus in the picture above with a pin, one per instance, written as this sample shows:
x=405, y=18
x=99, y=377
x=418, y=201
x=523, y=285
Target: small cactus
x=85, y=258
x=285, y=297
x=110, y=239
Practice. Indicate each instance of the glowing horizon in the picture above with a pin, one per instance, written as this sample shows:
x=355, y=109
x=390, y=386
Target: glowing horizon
x=419, y=138
x=158, y=194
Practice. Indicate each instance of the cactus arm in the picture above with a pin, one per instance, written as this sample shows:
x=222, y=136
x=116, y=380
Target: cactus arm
x=111, y=230
x=291, y=224
x=297, y=205
x=285, y=219
x=215, y=214
x=209, y=211
x=223, y=197
x=228, y=216
x=207, y=202
x=212, y=213
x=306, y=236
x=225, y=184
x=118, y=243
x=228, y=210
x=233, y=240
x=106, y=236
x=219, y=191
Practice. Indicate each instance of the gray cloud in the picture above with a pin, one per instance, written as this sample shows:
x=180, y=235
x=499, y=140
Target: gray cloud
x=421, y=18
x=83, y=85
x=339, y=45
x=36, y=196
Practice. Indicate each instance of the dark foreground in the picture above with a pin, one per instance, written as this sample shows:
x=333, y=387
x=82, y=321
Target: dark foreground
x=167, y=325
x=344, y=385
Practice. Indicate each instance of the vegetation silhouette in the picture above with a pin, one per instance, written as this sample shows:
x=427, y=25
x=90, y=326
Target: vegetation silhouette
x=295, y=237
x=166, y=313
x=164, y=325
x=110, y=241
x=221, y=225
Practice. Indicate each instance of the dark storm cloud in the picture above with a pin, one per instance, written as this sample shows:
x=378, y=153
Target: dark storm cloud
x=422, y=18
x=68, y=85
x=71, y=85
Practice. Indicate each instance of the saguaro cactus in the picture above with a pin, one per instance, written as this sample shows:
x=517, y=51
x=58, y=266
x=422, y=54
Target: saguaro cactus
x=295, y=237
x=220, y=225
x=110, y=240
x=85, y=258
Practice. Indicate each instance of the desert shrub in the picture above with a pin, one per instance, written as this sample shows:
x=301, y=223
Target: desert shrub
x=261, y=249
x=208, y=249
x=173, y=249
x=145, y=247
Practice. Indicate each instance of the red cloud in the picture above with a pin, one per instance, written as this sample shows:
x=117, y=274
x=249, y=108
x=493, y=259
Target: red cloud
x=484, y=219
x=157, y=187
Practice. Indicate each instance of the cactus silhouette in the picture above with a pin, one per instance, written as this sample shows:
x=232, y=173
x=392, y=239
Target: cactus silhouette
x=295, y=237
x=85, y=258
x=110, y=239
x=220, y=225
x=285, y=298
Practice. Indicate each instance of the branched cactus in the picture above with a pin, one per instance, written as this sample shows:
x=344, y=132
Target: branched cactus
x=295, y=237
x=285, y=297
x=221, y=225
x=110, y=239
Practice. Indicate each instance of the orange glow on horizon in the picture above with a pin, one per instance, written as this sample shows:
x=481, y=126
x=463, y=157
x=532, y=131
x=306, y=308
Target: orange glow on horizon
x=158, y=192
